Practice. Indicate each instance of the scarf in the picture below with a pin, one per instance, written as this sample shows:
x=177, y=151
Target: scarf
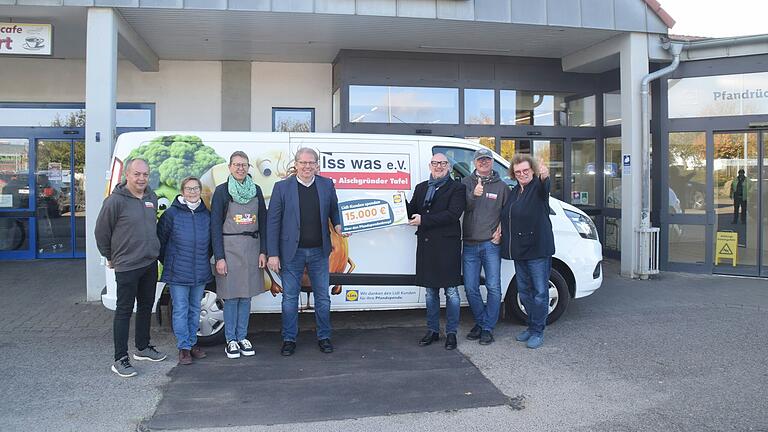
x=432, y=186
x=241, y=192
x=192, y=206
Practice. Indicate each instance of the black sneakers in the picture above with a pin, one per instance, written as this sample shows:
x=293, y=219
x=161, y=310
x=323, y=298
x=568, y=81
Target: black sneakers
x=288, y=348
x=325, y=345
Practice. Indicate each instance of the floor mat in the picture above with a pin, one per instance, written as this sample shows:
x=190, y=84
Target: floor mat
x=371, y=373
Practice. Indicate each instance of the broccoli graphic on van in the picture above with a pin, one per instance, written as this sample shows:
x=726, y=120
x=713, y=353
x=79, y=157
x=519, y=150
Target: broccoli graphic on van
x=171, y=158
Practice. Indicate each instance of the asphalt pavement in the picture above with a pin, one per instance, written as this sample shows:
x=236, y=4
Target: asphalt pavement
x=679, y=353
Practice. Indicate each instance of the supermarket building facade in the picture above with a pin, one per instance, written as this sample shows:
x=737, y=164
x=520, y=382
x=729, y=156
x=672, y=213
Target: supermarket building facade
x=560, y=79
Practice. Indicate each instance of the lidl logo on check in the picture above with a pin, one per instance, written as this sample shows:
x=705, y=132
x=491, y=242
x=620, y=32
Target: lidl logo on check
x=352, y=295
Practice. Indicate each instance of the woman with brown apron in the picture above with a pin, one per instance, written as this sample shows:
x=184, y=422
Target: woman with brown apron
x=238, y=218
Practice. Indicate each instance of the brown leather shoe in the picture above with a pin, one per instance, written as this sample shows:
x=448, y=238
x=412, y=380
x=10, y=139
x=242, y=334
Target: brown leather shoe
x=185, y=358
x=197, y=352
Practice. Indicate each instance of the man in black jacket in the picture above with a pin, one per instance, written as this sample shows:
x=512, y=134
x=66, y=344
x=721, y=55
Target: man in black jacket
x=435, y=208
x=126, y=236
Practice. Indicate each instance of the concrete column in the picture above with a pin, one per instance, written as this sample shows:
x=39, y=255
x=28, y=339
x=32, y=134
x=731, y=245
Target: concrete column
x=100, y=103
x=634, y=66
x=235, y=95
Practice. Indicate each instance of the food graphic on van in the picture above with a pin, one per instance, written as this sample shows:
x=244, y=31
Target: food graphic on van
x=376, y=169
x=171, y=158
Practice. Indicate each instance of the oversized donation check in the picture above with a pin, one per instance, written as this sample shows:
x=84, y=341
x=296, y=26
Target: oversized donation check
x=373, y=213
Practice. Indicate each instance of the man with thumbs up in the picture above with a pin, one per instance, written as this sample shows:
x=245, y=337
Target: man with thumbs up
x=486, y=195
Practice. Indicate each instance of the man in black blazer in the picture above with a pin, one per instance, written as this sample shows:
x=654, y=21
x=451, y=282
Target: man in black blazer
x=435, y=208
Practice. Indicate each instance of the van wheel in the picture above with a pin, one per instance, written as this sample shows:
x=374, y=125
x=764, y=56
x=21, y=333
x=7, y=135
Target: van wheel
x=559, y=297
x=211, y=329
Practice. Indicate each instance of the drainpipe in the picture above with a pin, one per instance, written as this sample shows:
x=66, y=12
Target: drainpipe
x=647, y=263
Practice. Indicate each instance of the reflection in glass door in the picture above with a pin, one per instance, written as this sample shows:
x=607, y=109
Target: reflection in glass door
x=763, y=190
x=60, y=198
x=549, y=151
x=15, y=213
x=736, y=173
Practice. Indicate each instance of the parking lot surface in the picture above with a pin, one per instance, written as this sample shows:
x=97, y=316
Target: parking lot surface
x=679, y=353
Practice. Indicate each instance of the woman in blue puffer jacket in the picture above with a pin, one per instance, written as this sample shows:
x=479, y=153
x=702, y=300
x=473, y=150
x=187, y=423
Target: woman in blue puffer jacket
x=185, y=251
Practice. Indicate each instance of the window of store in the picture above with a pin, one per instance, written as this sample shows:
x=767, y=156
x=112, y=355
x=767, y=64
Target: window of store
x=612, y=108
x=687, y=172
x=42, y=174
x=687, y=243
x=69, y=116
x=336, y=107
x=581, y=112
x=410, y=105
x=489, y=142
x=479, y=107
x=718, y=95
x=583, y=172
x=612, y=173
x=293, y=119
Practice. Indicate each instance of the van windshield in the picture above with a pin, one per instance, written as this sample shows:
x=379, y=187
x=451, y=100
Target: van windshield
x=463, y=164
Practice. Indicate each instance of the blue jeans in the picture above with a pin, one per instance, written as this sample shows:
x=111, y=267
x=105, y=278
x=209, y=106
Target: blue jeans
x=487, y=256
x=316, y=263
x=533, y=287
x=237, y=312
x=452, y=306
x=186, y=313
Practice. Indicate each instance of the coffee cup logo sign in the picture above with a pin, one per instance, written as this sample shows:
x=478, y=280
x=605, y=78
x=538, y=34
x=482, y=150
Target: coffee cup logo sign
x=25, y=39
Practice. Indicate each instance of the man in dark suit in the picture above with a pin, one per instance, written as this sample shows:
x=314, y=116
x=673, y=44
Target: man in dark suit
x=298, y=237
x=435, y=208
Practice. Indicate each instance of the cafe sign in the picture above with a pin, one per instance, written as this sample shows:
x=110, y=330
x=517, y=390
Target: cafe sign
x=25, y=39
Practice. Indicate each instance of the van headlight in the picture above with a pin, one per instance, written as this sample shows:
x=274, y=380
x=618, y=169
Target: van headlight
x=583, y=224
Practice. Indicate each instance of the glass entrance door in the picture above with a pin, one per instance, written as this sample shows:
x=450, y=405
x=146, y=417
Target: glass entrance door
x=60, y=210
x=763, y=191
x=549, y=151
x=16, y=221
x=739, y=182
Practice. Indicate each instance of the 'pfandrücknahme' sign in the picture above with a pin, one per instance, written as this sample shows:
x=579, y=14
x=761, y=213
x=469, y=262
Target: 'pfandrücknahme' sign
x=25, y=39
x=719, y=95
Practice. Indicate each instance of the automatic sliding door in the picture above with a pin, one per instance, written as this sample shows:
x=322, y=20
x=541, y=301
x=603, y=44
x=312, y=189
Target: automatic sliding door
x=763, y=194
x=736, y=203
x=549, y=151
x=15, y=206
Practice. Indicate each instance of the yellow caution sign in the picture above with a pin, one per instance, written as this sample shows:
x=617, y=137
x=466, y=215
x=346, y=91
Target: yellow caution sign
x=726, y=246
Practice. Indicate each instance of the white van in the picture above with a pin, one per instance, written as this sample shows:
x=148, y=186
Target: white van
x=371, y=270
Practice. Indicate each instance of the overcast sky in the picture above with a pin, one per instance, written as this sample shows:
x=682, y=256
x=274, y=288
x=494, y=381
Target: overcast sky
x=718, y=18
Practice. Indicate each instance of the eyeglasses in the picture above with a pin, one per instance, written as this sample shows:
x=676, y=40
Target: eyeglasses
x=192, y=189
x=306, y=163
x=484, y=160
x=241, y=165
x=522, y=171
x=439, y=163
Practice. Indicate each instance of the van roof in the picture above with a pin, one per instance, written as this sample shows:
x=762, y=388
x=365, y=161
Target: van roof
x=245, y=136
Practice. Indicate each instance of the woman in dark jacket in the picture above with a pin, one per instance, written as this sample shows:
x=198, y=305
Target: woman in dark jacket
x=526, y=237
x=435, y=208
x=185, y=245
